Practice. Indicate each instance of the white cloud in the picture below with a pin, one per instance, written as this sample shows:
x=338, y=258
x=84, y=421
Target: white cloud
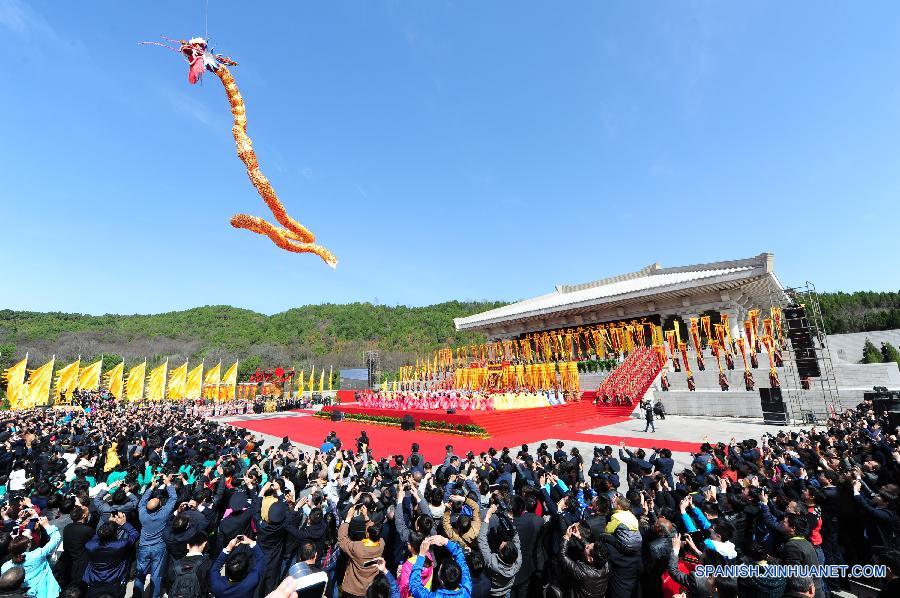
x=13, y=16
x=189, y=107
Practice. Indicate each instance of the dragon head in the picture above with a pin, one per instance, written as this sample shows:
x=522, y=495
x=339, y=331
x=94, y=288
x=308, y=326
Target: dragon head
x=198, y=55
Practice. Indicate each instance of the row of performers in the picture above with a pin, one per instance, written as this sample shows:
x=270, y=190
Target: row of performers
x=465, y=400
x=725, y=384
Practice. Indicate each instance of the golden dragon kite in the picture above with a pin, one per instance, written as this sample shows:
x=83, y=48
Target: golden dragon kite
x=291, y=235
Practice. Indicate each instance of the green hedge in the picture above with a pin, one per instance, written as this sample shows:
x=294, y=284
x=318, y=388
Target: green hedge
x=597, y=365
x=428, y=425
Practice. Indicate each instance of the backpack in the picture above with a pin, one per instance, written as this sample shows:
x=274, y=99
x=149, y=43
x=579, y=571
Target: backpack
x=186, y=584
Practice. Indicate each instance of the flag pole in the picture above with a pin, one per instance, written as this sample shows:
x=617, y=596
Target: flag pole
x=50, y=389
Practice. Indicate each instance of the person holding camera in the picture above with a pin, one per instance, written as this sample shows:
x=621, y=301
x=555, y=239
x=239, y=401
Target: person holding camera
x=243, y=569
x=361, y=553
x=453, y=573
x=109, y=555
x=502, y=564
x=34, y=559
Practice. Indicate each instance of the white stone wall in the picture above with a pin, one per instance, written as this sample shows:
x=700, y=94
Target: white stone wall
x=848, y=347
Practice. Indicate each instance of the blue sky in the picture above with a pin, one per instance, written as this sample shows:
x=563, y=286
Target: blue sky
x=443, y=150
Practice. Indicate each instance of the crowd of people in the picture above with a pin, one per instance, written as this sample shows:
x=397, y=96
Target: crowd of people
x=159, y=500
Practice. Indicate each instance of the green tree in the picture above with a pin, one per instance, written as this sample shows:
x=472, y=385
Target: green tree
x=246, y=367
x=7, y=355
x=890, y=353
x=109, y=361
x=871, y=354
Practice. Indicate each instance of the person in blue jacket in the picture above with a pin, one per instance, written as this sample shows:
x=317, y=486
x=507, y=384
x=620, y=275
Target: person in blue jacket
x=453, y=573
x=243, y=569
x=35, y=561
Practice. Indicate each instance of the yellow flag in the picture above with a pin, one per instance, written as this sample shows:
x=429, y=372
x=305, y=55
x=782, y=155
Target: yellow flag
x=229, y=382
x=15, y=384
x=194, y=384
x=211, y=381
x=214, y=376
x=66, y=380
x=322, y=380
x=89, y=376
x=177, y=383
x=156, y=382
x=300, y=382
x=39, y=383
x=331, y=376
x=134, y=389
x=114, y=380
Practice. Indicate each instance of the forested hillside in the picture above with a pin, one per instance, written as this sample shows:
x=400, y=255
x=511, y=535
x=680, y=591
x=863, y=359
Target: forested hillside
x=862, y=311
x=322, y=335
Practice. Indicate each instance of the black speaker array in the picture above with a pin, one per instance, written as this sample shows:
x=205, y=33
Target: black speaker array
x=800, y=334
x=337, y=416
x=772, y=404
x=885, y=401
x=407, y=423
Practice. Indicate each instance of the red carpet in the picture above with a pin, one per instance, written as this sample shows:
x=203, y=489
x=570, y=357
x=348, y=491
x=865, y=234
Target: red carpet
x=509, y=421
x=507, y=428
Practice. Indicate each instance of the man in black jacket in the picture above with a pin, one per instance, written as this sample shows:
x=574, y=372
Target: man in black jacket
x=238, y=521
x=190, y=575
x=656, y=558
x=74, y=537
x=584, y=565
x=880, y=521
x=798, y=550
x=529, y=527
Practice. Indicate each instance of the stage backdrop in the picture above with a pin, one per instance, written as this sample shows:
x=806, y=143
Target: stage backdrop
x=355, y=379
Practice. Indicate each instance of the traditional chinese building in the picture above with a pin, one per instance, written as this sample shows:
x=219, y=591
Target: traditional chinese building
x=657, y=294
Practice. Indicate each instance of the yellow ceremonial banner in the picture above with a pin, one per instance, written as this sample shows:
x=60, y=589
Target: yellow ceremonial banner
x=156, y=382
x=322, y=380
x=134, y=388
x=211, y=381
x=194, y=386
x=300, y=382
x=37, y=391
x=15, y=384
x=66, y=379
x=89, y=376
x=229, y=382
x=331, y=375
x=114, y=380
x=175, y=390
x=214, y=376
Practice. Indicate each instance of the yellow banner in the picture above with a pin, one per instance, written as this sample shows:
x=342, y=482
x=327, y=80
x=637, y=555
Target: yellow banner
x=15, y=384
x=156, y=382
x=214, y=376
x=194, y=386
x=66, y=379
x=134, y=389
x=114, y=380
x=89, y=377
x=322, y=380
x=37, y=390
x=175, y=391
x=211, y=381
x=229, y=382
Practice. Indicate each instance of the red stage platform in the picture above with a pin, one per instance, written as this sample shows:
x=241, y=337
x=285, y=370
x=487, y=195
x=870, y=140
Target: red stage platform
x=505, y=428
x=502, y=422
